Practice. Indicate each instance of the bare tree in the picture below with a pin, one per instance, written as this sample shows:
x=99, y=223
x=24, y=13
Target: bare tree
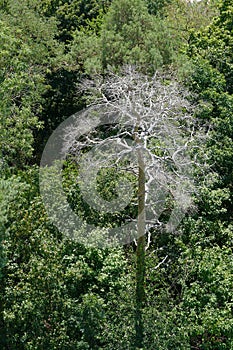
x=151, y=125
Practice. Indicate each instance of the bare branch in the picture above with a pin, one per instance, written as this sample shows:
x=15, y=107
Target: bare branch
x=161, y=262
x=150, y=116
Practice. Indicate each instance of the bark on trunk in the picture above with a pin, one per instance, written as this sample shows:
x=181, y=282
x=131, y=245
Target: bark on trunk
x=140, y=253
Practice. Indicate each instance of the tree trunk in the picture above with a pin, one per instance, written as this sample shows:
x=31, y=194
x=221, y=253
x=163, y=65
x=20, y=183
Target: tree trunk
x=140, y=253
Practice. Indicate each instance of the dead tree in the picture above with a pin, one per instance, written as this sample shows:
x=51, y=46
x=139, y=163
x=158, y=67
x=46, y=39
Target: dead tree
x=150, y=121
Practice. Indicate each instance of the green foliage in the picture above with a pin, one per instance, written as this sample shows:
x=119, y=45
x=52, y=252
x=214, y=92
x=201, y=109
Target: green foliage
x=211, y=52
x=215, y=46
x=57, y=293
x=186, y=16
x=207, y=292
x=128, y=35
x=19, y=91
x=157, y=7
x=26, y=54
x=131, y=35
x=207, y=295
x=105, y=187
x=73, y=15
x=9, y=190
x=60, y=288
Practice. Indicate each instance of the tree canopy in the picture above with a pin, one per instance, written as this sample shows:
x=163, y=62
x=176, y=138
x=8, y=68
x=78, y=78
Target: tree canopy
x=162, y=290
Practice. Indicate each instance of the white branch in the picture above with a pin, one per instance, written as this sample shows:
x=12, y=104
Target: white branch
x=161, y=262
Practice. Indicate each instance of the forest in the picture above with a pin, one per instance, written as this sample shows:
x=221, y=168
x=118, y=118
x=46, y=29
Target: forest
x=116, y=174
